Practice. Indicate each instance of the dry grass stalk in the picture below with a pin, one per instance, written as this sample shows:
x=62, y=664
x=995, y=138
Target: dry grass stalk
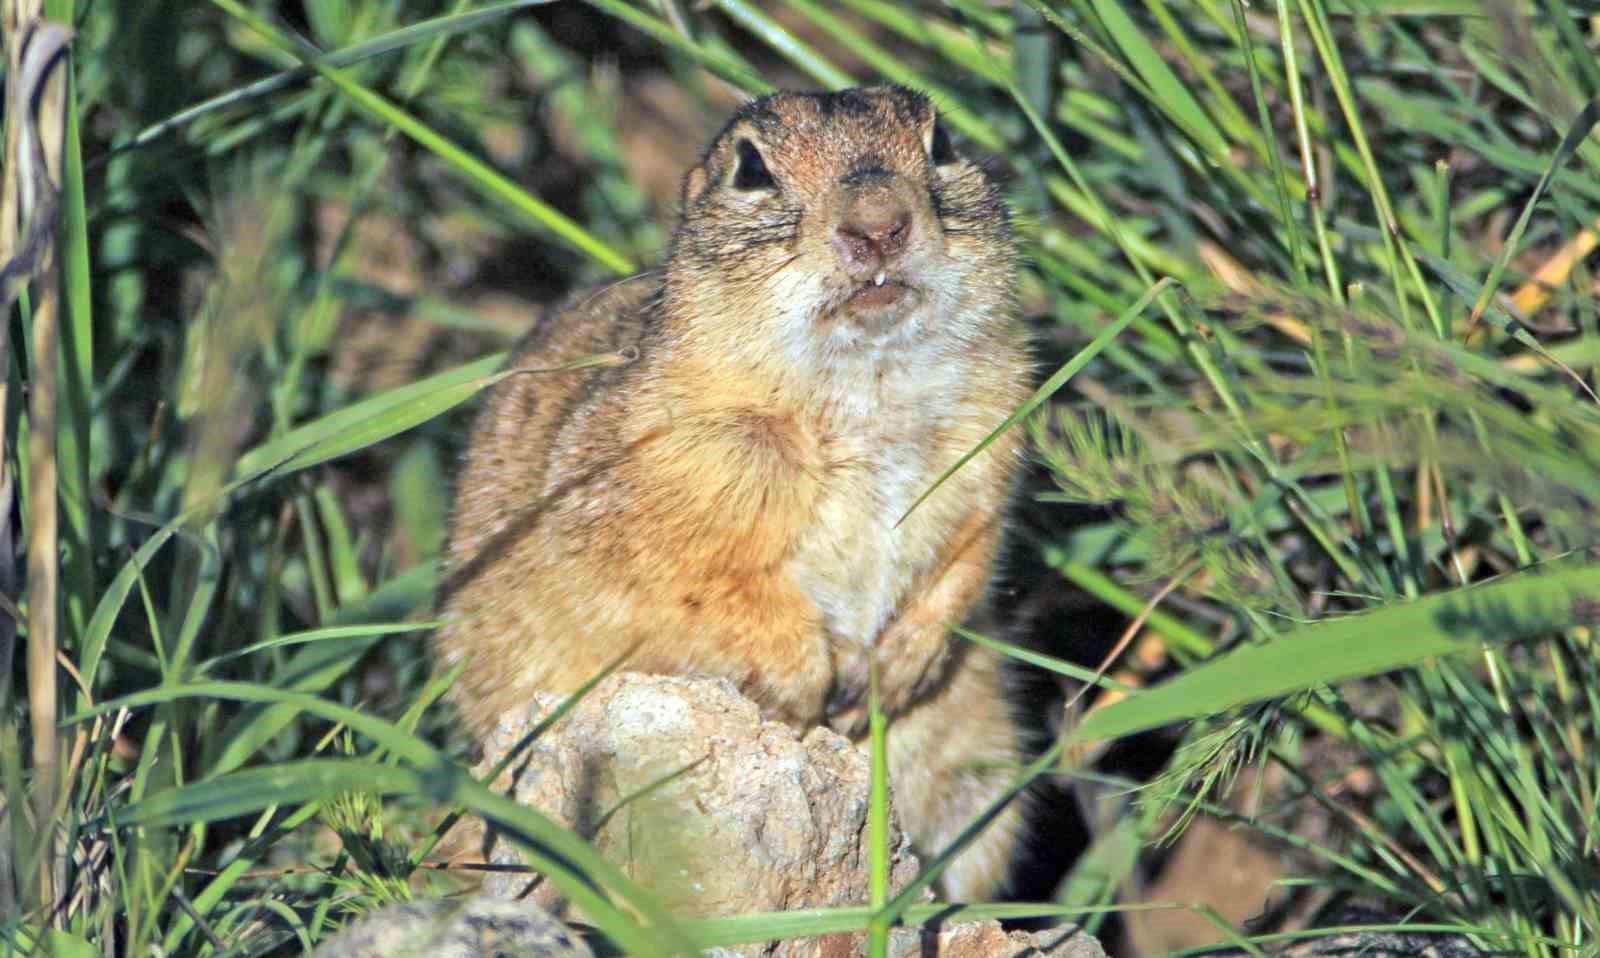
x=36, y=97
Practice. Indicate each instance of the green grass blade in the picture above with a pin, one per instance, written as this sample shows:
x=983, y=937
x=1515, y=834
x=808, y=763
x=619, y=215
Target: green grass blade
x=398, y=409
x=812, y=922
x=1577, y=133
x=251, y=790
x=877, y=822
x=436, y=28
x=895, y=69
x=61, y=944
x=77, y=372
x=1397, y=254
x=1106, y=864
x=315, y=635
x=309, y=780
x=474, y=171
x=739, y=74
x=435, y=777
x=98, y=632
x=545, y=723
x=1050, y=386
x=1183, y=639
x=407, y=746
x=1168, y=93
x=1516, y=606
x=931, y=870
x=384, y=416
x=937, y=36
x=1038, y=660
x=786, y=44
x=318, y=665
x=344, y=563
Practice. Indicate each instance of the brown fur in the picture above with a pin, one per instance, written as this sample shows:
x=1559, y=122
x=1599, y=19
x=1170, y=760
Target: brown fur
x=834, y=327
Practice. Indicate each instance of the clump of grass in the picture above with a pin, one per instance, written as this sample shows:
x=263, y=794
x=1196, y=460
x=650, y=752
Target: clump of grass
x=1314, y=278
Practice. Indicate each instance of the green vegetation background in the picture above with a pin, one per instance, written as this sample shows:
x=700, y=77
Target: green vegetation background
x=1309, y=275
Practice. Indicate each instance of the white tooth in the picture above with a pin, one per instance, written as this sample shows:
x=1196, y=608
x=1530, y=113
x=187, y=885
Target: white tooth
x=878, y=279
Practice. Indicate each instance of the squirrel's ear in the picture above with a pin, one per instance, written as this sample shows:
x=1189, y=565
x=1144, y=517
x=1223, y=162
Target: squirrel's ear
x=694, y=185
x=937, y=142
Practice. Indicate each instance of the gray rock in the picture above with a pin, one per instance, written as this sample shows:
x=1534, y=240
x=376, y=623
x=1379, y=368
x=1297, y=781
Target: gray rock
x=479, y=927
x=986, y=939
x=1371, y=944
x=681, y=783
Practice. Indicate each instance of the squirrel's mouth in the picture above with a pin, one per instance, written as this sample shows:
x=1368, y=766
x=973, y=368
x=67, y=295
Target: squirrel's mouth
x=876, y=296
x=874, y=308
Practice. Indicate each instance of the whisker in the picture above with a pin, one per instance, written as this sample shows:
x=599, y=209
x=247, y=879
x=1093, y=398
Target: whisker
x=599, y=291
x=780, y=267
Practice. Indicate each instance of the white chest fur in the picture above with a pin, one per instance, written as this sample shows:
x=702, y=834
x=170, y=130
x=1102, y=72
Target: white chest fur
x=853, y=562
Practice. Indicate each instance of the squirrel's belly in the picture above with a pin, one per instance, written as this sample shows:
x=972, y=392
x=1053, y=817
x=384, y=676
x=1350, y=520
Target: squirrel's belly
x=853, y=563
x=854, y=579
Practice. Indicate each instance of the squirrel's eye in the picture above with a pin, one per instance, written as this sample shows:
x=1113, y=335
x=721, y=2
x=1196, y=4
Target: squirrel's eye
x=939, y=149
x=751, y=173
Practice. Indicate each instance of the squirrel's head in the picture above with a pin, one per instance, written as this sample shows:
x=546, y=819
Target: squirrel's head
x=841, y=224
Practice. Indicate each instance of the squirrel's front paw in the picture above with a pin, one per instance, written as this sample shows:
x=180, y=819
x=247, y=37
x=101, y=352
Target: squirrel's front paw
x=899, y=688
x=847, y=710
x=798, y=695
x=907, y=674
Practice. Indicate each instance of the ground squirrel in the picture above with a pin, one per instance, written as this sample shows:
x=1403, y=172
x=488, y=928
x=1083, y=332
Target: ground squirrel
x=835, y=326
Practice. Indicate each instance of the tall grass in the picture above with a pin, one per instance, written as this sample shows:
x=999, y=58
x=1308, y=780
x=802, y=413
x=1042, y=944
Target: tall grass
x=1312, y=276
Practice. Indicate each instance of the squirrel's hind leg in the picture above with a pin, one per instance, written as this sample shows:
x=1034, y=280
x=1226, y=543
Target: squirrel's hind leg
x=950, y=756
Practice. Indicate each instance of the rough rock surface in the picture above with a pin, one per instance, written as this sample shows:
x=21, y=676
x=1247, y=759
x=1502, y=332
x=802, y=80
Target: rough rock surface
x=680, y=782
x=972, y=939
x=1378, y=944
x=986, y=939
x=479, y=927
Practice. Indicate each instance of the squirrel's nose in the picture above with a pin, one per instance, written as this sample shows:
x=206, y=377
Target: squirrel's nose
x=873, y=231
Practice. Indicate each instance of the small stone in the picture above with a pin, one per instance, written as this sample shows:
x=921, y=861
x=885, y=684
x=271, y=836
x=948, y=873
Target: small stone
x=480, y=927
